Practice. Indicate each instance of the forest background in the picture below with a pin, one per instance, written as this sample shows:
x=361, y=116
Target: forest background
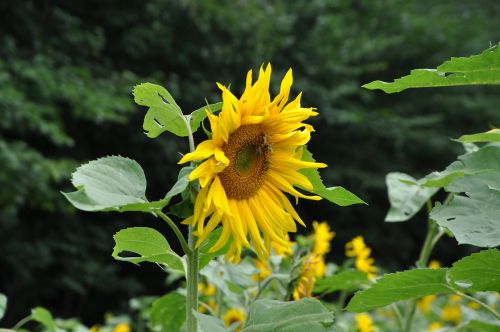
x=67, y=69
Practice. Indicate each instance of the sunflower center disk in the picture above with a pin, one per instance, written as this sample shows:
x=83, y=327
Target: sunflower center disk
x=248, y=154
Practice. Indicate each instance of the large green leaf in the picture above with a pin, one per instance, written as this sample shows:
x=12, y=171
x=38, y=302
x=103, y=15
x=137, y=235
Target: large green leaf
x=208, y=323
x=111, y=184
x=168, y=313
x=347, y=280
x=480, y=326
x=483, y=68
x=477, y=272
x=163, y=114
x=489, y=136
x=406, y=198
x=148, y=245
x=337, y=195
x=473, y=220
x=44, y=317
x=304, y=315
x=400, y=286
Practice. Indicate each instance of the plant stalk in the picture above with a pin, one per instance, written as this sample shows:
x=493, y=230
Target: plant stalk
x=180, y=237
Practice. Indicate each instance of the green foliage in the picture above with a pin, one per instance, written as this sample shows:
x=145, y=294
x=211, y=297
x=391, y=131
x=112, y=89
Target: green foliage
x=44, y=317
x=347, y=280
x=168, y=313
x=3, y=305
x=271, y=315
x=149, y=245
x=405, y=197
x=488, y=136
x=477, y=272
x=111, y=184
x=478, y=69
x=205, y=255
x=393, y=287
x=208, y=323
x=477, y=325
x=336, y=195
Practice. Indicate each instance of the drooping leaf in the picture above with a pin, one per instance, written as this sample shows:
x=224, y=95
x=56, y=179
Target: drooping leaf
x=488, y=136
x=483, y=68
x=406, y=199
x=147, y=245
x=200, y=114
x=180, y=185
x=163, y=114
x=400, y=286
x=477, y=272
x=347, y=280
x=111, y=184
x=168, y=313
x=44, y=317
x=3, y=305
x=208, y=323
x=205, y=255
x=337, y=195
x=305, y=315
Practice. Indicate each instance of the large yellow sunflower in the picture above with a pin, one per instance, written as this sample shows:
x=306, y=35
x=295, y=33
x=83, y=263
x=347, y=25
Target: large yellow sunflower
x=250, y=162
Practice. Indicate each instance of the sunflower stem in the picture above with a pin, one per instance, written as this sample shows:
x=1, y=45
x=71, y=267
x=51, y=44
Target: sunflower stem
x=192, y=262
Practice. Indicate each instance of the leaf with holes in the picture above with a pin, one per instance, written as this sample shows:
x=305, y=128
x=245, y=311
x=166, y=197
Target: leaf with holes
x=147, y=245
x=163, y=114
x=406, y=198
x=400, y=286
x=483, y=68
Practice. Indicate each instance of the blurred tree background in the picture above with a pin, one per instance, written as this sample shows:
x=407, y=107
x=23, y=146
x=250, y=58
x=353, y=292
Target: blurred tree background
x=67, y=69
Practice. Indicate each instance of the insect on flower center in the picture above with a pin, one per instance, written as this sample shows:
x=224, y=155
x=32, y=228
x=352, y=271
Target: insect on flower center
x=248, y=152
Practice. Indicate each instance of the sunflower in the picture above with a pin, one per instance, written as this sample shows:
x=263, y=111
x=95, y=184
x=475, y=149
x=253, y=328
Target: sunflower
x=234, y=315
x=250, y=163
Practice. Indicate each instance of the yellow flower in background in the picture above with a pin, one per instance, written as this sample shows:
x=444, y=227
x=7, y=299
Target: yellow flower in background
x=358, y=249
x=322, y=237
x=451, y=311
x=425, y=303
x=122, y=327
x=234, y=315
x=207, y=289
x=434, y=264
x=364, y=323
x=312, y=268
x=264, y=270
x=249, y=164
x=473, y=305
x=210, y=303
x=94, y=328
x=434, y=326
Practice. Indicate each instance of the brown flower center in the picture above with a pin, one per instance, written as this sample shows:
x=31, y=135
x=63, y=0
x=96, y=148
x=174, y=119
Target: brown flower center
x=248, y=151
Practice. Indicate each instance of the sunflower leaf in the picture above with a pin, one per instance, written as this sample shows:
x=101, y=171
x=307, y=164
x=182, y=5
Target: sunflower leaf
x=148, y=245
x=111, y=184
x=163, y=114
x=200, y=114
x=168, y=313
x=347, y=280
x=336, y=195
x=44, y=317
x=406, y=198
x=477, y=272
x=208, y=323
x=488, y=136
x=205, y=255
x=483, y=68
x=400, y=286
x=305, y=315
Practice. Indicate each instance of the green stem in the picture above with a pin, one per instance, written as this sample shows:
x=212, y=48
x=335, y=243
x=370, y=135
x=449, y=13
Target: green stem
x=433, y=235
x=192, y=283
x=22, y=322
x=399, y=316
x=176, y=230
x=192, y=262
x=481, y=303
